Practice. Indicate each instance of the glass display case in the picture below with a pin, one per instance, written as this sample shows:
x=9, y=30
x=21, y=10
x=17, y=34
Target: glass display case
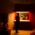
x=23, y=16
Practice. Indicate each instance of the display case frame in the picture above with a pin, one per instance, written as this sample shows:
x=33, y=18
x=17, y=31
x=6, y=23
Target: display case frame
x=23, y=12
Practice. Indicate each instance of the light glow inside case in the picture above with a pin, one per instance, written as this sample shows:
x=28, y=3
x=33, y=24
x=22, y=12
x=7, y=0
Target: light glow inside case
x=23, y=16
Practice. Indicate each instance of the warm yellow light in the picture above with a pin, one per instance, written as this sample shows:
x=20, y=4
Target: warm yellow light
x=10, y=20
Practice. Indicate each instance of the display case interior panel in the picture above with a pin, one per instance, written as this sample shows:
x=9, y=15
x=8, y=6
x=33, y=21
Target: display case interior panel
x=23, y=15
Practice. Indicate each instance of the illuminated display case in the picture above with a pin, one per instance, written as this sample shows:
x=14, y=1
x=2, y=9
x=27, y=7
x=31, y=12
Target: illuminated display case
x=23, y=15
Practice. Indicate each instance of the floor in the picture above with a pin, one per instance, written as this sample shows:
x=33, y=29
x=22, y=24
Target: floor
x=21, y=32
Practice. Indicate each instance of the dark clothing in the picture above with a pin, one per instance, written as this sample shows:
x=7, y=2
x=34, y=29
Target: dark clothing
x=17, y=23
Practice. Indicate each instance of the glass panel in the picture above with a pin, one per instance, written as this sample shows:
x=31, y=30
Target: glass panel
x=23, y=16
